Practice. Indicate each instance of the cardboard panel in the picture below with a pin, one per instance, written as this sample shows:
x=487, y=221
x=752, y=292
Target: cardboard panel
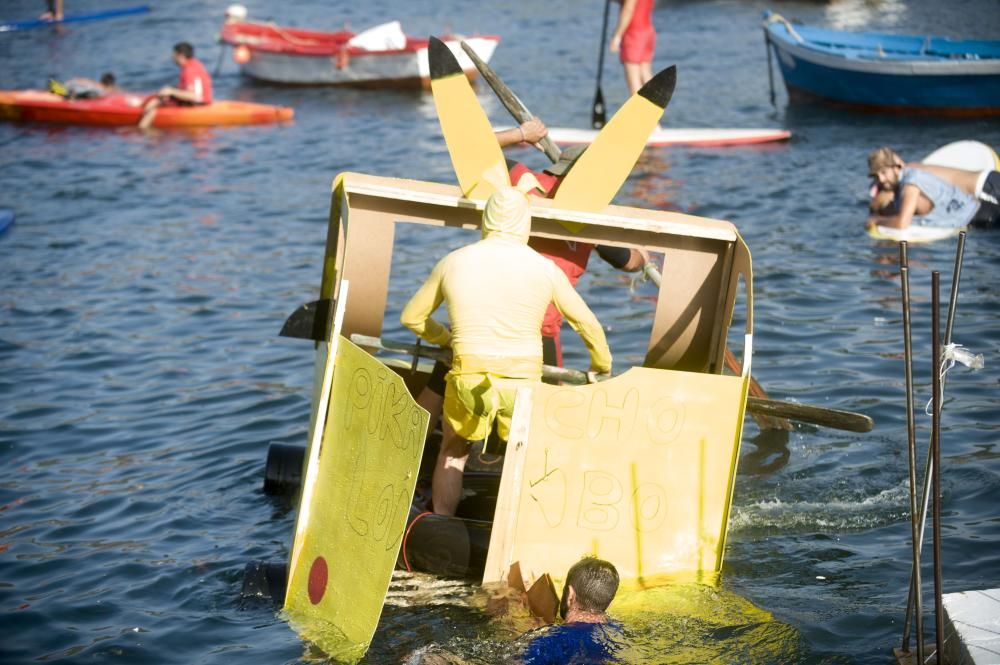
x=355, y=514
x=637, y=470
x=689, y=316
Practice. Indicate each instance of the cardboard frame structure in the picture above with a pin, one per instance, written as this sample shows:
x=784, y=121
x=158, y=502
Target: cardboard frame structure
x=646, y=460
x=705, y=259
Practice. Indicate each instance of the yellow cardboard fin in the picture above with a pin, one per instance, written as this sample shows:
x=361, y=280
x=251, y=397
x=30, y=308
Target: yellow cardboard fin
x=600, y=172
x=467, y=131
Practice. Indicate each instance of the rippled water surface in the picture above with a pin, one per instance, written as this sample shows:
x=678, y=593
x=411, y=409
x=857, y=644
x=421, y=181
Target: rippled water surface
x=146, y=277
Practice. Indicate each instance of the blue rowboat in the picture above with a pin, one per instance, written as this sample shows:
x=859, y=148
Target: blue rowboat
x=81, y=17
x=887, y=72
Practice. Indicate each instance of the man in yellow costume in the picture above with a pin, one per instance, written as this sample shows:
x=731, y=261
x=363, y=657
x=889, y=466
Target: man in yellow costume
x=496, y=291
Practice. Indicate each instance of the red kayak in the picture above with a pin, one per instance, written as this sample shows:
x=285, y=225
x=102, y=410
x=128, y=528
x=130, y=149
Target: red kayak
x=124, y=109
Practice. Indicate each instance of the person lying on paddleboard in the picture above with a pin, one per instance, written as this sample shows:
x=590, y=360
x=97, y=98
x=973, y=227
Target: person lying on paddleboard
x=195, y=85
x=929, y=195
x=496, y=291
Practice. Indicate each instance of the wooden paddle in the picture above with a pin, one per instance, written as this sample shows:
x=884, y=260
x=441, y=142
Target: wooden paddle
x=510, y=101
x=597, y=114
x=816, y=415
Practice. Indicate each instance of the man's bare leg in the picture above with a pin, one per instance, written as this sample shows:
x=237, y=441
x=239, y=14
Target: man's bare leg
x=633, y=76
x=149, y=114
x=446, y=484
x=432, y=403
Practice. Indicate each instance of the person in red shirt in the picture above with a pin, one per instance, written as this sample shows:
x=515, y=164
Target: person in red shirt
x=194, y=87
x=570, y=256
x=635, y=39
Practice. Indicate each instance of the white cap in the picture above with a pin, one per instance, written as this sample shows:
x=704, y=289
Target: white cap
x=236, y=13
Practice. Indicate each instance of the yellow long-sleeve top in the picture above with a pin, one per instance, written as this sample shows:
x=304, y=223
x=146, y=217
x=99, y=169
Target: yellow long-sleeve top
x=496, y=292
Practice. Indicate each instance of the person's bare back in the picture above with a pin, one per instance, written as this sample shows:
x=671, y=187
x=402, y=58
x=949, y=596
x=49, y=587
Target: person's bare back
x=964, y=180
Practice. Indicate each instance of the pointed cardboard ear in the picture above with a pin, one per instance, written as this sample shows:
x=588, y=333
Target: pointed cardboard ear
x=467, y=131
x=599, y=173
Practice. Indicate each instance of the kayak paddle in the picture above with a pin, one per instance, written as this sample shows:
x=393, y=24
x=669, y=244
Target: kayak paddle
x=597, y=115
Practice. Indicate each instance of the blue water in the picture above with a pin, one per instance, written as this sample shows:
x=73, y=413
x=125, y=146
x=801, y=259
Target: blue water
x=146, y=278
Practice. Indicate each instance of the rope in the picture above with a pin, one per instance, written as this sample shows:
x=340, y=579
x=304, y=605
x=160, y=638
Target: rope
x=951, y=354
x=778, y=18
x=406, y=560
x=290, y=37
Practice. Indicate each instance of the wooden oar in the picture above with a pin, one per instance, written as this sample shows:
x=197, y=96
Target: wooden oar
x=816, y=415
x=510, y=101
x=597, y=115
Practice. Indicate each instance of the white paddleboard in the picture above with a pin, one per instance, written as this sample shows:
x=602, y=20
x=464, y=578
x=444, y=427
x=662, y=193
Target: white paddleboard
x=663, y=136
x=914, y=234
x=967, y=155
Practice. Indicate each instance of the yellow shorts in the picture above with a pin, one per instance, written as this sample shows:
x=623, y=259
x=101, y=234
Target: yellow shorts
x=472, y=402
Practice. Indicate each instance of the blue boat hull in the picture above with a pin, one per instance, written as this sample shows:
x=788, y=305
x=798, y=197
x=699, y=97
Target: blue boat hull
x=893, y=81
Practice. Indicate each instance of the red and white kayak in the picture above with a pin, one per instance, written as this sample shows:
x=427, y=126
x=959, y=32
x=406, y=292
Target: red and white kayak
x=380, y=57
x=663, y=136
x=125, y=109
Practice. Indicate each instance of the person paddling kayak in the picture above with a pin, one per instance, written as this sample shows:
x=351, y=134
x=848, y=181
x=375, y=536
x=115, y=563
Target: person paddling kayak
x=195, y=86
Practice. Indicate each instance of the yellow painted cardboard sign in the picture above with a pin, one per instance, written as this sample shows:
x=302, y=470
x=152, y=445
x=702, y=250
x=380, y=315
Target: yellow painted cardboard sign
x=637, y=470
x=356, y=510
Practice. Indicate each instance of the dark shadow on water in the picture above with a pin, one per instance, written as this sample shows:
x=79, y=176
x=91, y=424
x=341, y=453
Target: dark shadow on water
x=771, y=453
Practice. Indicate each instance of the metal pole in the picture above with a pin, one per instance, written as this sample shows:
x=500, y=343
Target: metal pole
x=770, y=67
x=929, y=468
x=936, y=447
x=915, y=587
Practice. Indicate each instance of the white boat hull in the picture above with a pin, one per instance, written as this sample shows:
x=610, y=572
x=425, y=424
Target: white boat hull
x=394, y=68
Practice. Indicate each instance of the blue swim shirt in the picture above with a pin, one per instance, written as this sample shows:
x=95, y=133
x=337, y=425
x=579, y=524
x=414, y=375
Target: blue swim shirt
x=953, y=208
x=575, y=644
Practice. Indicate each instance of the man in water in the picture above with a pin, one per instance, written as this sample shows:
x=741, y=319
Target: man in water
x=587, y=634
x=496, y=291
x=931, y=195
x=195, y=85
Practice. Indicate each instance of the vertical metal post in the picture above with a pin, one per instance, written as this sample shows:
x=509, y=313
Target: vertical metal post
x=770, y=67
x=929, y=468
x=915, y=599
x=936, y=447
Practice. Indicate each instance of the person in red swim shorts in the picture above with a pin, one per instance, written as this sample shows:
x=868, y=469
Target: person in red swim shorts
x=635, y=39
x=194, y=87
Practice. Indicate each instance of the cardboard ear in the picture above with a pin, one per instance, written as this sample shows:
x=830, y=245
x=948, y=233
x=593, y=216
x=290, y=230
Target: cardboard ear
x=599, y=173
x=467, y=131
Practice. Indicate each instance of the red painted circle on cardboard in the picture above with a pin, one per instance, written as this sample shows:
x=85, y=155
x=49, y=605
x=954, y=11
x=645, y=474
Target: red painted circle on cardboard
x=318, y=577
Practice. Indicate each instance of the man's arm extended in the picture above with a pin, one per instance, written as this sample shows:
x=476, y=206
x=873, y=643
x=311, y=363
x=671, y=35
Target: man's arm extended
x=907, y=208
x=417, y=314
x=582, y=320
